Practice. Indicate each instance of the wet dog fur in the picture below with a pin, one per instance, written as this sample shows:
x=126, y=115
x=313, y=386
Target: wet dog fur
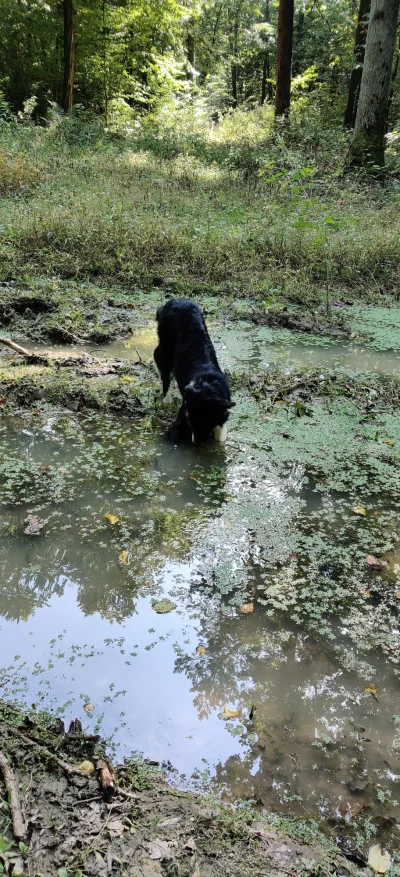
x=186, y=352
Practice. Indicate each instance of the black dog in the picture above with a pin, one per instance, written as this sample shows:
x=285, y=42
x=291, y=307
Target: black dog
x=186, y=351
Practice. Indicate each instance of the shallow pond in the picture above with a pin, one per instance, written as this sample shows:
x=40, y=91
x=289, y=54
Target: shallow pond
x=275, y=613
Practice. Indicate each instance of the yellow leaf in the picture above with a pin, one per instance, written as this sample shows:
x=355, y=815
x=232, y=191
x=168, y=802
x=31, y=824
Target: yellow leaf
x=245, y=608
x=389, y=442
x=379, y=862
x=193, y=477
x=359, y=510
x=365, y=592
x=124, y=557
x=371, y=689
x=88, y=707
x=85, y=767
x=201, y=650
x=113, y=519
x=230, y=714
x=129, y=380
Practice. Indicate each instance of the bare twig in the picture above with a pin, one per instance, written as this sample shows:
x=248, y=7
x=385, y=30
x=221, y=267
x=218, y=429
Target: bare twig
x=19, y=828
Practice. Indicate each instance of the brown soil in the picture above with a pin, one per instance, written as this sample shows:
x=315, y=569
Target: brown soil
x=144, y=828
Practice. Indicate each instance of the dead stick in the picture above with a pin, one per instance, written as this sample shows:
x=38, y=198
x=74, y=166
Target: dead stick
x=19, y=828
x=14, y=346
x=68, y=768
x=36, y=357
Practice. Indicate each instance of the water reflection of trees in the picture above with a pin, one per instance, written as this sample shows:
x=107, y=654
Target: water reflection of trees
x=107, y=465
x=298, y=691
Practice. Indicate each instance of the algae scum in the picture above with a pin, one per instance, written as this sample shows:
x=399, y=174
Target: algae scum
x=230, y=610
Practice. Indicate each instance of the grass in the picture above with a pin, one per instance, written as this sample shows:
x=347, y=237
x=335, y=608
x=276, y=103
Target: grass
x=237, y=209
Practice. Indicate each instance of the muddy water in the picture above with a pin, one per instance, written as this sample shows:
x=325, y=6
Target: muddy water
x=212, y=530
x=240, y=344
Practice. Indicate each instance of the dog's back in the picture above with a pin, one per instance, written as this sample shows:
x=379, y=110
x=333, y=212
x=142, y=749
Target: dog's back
x=184, y=338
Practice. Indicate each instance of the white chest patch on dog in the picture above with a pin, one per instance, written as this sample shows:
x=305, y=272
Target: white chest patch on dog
x=220, y=433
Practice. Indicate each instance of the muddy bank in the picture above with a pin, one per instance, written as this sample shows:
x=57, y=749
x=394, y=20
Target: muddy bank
x=83, y=815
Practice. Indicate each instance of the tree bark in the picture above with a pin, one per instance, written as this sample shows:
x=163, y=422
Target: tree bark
x=190, y=47
x=68, y=86
x=266, y=85
x=368, y=145
x=284, y=57
x=356, y=73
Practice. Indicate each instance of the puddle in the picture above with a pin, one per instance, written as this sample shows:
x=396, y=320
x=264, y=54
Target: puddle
x=239, y=345
x=209, y=529
x=268, y=520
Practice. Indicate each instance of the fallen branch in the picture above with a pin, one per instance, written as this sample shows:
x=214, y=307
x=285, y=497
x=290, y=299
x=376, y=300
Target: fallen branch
x=66, y=767
x=34, y=357
x=14, y=346
x=19, y=828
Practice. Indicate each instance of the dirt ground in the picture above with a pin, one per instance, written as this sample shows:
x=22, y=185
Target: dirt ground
x=83, y=816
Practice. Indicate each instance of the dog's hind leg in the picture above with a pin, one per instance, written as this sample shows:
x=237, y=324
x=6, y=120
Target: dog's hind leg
x=164, y=367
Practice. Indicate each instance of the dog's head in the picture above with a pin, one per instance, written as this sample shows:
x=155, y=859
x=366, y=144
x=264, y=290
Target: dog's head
x=208, y=404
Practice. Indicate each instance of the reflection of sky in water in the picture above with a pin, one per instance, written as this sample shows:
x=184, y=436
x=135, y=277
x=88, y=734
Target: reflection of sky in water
x=165, y=698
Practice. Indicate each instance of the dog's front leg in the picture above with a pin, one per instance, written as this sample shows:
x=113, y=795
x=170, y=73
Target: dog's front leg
x=180, y=430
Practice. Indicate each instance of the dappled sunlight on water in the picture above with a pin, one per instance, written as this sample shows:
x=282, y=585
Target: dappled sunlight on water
x=275, y=613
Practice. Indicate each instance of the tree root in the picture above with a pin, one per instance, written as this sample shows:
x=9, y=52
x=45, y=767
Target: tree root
x=18, y=823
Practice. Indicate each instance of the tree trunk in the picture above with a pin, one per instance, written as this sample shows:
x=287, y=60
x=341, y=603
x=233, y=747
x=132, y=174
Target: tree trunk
x=368, y=146
x=266, y=85
x=284, y=57
x=356, y=73
x=68, y=87
x=234, y=85
x=190, y=57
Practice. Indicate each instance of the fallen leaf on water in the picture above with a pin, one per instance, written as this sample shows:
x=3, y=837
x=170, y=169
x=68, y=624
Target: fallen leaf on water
x=372, y=690
x=34, y=525
x=389, y=442
x=124, y=557
x=201, y=650
x=88, y=707
x=245, y=608
x=374, y=561
x=351, y=809
x=193, y=477
x=113, y=519
x=359, y=510
x=230, y=714
x=359, y=784
x=115, y=827
x=379, y=862
x=164, y=606
x=85, y=767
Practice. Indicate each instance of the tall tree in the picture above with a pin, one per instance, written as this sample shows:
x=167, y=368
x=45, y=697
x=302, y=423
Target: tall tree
x=284, y=57
x=368, y=145
x=69, y=55
x=266, y=84
x=356, y=73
